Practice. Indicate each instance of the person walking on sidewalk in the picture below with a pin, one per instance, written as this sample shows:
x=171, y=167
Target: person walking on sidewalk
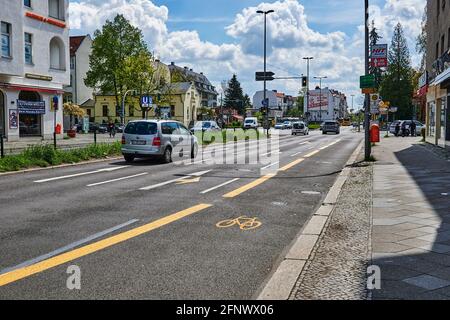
x=404, y=133
x=111, y=129
x=397, y=129
x=413, y=128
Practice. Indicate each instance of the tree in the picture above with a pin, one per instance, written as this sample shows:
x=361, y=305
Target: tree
x=373, y=39
x=112, y=49
x=421, y=41
x=73, y=110
x=397, y=83
x=300, y=102
x=234, y=96
x=247, y=102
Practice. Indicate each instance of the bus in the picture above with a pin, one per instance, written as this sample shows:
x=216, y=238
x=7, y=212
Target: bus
x=345, y=122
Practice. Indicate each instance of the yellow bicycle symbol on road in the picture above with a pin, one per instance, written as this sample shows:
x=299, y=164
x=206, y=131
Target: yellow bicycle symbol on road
x=244, y=223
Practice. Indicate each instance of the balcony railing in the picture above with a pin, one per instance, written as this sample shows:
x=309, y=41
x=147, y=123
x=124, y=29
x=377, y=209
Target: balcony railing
x=442, y=63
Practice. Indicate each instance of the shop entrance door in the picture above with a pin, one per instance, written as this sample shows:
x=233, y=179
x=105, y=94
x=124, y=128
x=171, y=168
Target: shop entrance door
x=2, y=114
x=30, y=125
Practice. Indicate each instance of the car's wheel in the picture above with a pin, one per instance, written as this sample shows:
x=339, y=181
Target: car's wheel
x=128, y=158
x=324, y=132
x=194, y=151
x=167, y=157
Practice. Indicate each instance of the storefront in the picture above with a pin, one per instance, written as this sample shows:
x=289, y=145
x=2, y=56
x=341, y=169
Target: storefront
x=438, y=111
x=28, y=112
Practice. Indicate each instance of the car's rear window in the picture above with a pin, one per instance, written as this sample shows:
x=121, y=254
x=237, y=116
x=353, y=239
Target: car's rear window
x=299, y=125
x=141, y=128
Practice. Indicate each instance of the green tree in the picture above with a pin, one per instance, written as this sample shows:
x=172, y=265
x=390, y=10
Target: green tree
x=397, y=83
x=112, y=49
x=421, y=41
x=247, y=102
x=234, y=96
x=373, y=39
x=300, y=102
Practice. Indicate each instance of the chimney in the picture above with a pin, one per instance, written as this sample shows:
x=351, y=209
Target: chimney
x=186, y=68
x=157, y=61
x=191, y=70
x=172, y=63
x=201, y=73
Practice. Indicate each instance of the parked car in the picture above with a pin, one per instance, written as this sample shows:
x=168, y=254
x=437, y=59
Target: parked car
x=300, y=128
x=280, y=126
x=119, y=128
x=251, y=123
x=158, y=139
x=419, y=126
x=205, y=126
x=331, y=126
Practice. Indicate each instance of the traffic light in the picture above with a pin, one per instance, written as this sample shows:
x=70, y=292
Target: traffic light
x=304, y=82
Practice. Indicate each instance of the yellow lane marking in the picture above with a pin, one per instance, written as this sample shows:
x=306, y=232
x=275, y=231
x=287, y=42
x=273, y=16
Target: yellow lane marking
x=249, y=186
x=290, y=165
x=309, y=155
x=96, y=246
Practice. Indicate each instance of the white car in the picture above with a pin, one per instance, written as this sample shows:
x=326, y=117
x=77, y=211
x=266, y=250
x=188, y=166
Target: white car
x=251, y=123
x=205, y=126
x=280, y=126
x=300, y=128
x=419, y=126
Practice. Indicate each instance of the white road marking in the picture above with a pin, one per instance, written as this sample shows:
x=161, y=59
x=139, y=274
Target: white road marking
x=81, y=174
x=197, y=174
x=118, y=179
x=295, y=154
x=219, y=186
x=270, y=165
x=68, y=247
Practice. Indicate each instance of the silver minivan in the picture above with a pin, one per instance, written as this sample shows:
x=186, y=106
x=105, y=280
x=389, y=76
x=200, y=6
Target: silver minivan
x=163, y=139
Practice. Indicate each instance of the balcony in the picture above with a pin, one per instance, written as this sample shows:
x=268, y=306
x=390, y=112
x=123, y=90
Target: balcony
x=441, y=64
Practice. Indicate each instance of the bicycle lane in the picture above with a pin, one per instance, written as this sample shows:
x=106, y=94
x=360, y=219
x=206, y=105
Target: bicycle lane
x=190, y=258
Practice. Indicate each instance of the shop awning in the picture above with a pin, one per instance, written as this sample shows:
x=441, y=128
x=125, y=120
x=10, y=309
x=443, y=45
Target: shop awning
x=32, y=89
x=442, y=77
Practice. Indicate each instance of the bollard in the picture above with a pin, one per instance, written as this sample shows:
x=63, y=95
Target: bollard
x=95, y=136
x=54, y=140
x=2, y=147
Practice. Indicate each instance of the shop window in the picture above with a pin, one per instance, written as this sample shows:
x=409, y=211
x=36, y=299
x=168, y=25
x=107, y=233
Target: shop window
x=6, y=39
x=57, y=54
x=27, y=3
x=28, y=48
x=56, y=9
x=2, y=114
x=30, y=124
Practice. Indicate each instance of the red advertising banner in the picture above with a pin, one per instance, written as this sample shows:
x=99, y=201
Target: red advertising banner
x=379, y=62
x=317, y=101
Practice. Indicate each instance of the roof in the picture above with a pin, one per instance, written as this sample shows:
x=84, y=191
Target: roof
x=201, y=81
x=75, y=43
x=88, y=103
x=180, y=87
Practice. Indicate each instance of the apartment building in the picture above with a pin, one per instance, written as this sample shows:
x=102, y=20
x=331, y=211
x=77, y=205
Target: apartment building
x=436, y=81
x=34, y=67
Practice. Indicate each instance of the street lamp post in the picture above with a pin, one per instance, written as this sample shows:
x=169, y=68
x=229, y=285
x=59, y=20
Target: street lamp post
x=265, y=13
x=307, y=80
x=123, y=106
x=368, y=147
x=320, y=95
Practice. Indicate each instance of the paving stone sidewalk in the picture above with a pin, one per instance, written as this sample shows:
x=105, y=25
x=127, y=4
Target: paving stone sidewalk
x=336, y=269
x=411, y=220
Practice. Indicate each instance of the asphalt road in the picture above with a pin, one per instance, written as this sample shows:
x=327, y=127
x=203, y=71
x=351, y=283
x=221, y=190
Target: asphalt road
x=135, y=236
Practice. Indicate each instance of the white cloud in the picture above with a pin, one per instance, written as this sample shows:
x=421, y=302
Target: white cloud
x=337, y=55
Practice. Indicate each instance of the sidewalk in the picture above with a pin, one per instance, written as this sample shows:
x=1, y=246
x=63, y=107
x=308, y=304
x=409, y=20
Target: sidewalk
x=80, y=141
x=394, y=214
x=411, y=221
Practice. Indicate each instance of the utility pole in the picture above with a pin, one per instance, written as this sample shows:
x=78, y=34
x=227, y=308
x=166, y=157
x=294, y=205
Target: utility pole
x=265, y=64
x=368, y=148
x=307, y=80
x=320, y=95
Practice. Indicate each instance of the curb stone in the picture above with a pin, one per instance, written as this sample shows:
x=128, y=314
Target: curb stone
x=281, y=282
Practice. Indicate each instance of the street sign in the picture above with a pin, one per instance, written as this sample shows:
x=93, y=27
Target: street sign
x=265, y=103
x=368, y=91
x=366, y=82
x=146, y=101
x=269, y=76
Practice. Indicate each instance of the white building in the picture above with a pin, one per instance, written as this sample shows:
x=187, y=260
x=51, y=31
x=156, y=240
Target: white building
x=275, y=107
x=34, y=66
x=326, y=104
x=80, y=50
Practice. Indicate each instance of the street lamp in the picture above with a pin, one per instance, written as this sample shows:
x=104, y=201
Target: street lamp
x=123, y=106
x=307, y=80
x=265, y=13
x=320, y=95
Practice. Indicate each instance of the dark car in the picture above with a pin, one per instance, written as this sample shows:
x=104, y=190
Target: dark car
x=331, y=126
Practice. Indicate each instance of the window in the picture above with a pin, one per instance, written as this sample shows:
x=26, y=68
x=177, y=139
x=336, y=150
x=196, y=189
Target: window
x=437, y=50
x=105, y=111
x=27, y=3
x=141, y=128
x=169, y=128
x=438, y=7
x=57, y=54
x=443, y=44
x=448, y=44
x=6, y=39
x=28, y=48
x=72, y=63
x=56, y=9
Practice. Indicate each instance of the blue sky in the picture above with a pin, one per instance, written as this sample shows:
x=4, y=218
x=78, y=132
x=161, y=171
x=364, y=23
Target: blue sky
x=224, y=37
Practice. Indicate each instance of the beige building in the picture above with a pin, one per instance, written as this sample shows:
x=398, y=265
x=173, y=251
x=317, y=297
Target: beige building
x=436, y=81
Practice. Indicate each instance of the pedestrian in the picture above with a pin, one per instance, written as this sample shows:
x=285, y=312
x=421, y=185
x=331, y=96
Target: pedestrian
x=413, y=128
x=397, y=129
x=404, y=133
x=111, y=129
